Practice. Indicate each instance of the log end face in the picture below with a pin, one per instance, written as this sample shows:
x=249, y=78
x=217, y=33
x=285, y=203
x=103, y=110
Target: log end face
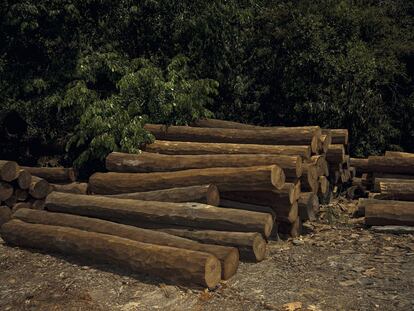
x=212, y=272
x=213, y=195
x=24, y=179
x=231, y=263
x=278, y=176
x=268, y=225
x=9, y=171
x=259, y=247
x=299, y=167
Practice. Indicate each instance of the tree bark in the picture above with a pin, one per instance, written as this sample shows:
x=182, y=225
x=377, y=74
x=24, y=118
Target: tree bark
x=182, y=214
x=379, y=180
x=207, y=194
x=216, y=123
x=361, y=165
x=74, y=187
x=323, y=184
x=397, y=154
x=53, y=174
x=146, y=162
x=251, y=246
x=309, y=179
x=228, y=256
x=24, y=178
x=20, y=205
x=5, y=215
x=394, y=165
x=188, y=148
x=39, y=188
x=387, y=212
x=248, y=207
x=400, y=191
x=339, y=136
x=321, y=164
x=21, y=194
x=308, y=206
x=8, y=170
x=226, y=179
x=167, y=262
x=335, y=154
x=326, y=141
x=6, y=190
x=272, y=136
x=293, y=229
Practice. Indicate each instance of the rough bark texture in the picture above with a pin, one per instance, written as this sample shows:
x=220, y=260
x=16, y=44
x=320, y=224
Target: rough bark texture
x=397, y=154
x=339, y=136
x=21, y=194
x=216, y=123
x=335, y=154
x=248, y=207
x=226, y=179
x=39, y=188
x=146, y=162
x=167, y=262
x=5, y=214
x=181, y=147
x=20, y=205
x=361, y=165
x=400, y=191
x=6, y=190
x=8, y=170
x=379, y=180
x=74, y=187
x=53, y=174
x=272, y=136
x=376, y=175
x=393, y=165
x=228, y=256
x=323, y=184
x=182, y=214
x=251, y=246
x=321, y=164
x=309, y=179
x=24, y=178
x=308, y=206
x=207, y=194
x=387, y=212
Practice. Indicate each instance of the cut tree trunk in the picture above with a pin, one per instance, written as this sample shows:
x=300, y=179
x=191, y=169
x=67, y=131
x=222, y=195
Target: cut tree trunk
x=335, y=154
x=248, y=207
x=251, y=246
x=326, y=141
x=5, y=215
x=397, y=154
x=8, y=170
x=146, y=162
x=74, y=187
x=193, y=148
x=24, y=179
x=182, y=214
x=293, y=229
x=39, y=188
x=308, y=205
x=207, y=194
x=6, y=190
x=323, y=184
x=272, y=136
x=53, y=174
x=228, y=256
x=309, y=179
x=387, y=212
x=321, y=164
x=393, y=165
x=400, y=191
x=216, y=123
x=167, y=262
x=379, y=180
x=361, y=165
x=20, y=205
x=339, y=136
x=226, y=179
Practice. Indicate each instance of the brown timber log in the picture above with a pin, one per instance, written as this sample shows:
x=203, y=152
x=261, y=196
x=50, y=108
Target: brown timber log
x=335, y=154
x=39, y=188
x=53, y=174
x=226, y=179
x=361, y=165
x=228, y=256
x=146, y=162
x=24, y=178
x=397, y=154
x=251, y=246
x=167, y=262
x=388, y=212
x=20, y=205
x=272, y=136
x=393, y=165
x=298, y=189
x=207, y=194
x=8, y=170
x=182, y=214
x=309, y=179
x=308, y=206
x=323, y=184
x=74, y=187
x=326, y=141
x=321, y=164
x=5, y=215
x=6, y=190
x=216, y=123
x=37, y=204
x=339, y=136
x=400, y=191
x=379, y=180
x=10, y=202
x=293, y=229
x=248, y=207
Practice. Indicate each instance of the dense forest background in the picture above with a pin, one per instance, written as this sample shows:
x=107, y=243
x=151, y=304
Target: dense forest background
x=79, y=78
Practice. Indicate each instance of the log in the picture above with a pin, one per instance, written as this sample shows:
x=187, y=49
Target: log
x=39, y=188
x=321, y=164
x=309, y=179
x=404, y=166
x=207, y=194
x=228, y=256
x=397, y=154
x=24, y=179
x=272, y=136
x=393, y=229
x=400, y=191
x=20, y=205
x=308, y=206
x=248, y=207
x=298, y=189
x=10, y=202
x=146, y=162
x=6, y=190
x=291, y=229
x=251, y=246
x=8, y=170
x=335, y=154
x=323, y=184
x=226, y=179
x=379, y=180
x=376, y=175
x=182, y=214
x=21, y=194
x=361, y=165
x=388, y=212
x=166, y=262
x=5, y=215
x=216, y=123
x=339, y=136
x=53, y=174
x=37, y=204
x=74, y=187
x=188, y=148
x=326, y=141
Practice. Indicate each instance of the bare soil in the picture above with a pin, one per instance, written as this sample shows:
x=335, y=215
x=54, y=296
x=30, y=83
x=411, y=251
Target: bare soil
x=337, y=265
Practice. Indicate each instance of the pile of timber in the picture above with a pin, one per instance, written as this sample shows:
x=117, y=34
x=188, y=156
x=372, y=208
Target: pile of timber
x=390, y=182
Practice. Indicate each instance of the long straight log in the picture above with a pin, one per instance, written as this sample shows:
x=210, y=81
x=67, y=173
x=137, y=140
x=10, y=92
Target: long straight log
x=361, y=165
x=339, y=136
x=309, y=179
x=74, y=187
x=308, y=205
x=216, y=123
x=335, y=154
x=207, y=194
x=388, y=212
x=167, y=262
x=226, y=179
x=6, y=190
x=272, y=136
x=146, y=162
x=250, y=245
x=53, y=174
x=379, y=180
x=397, y=154
x=24, y=178
x=228, y=256
x=187, y=148
x=39, y=188
x=8, y=170
x=401, y=191
x=248, y=207
x=394, y=165
x=182, y=214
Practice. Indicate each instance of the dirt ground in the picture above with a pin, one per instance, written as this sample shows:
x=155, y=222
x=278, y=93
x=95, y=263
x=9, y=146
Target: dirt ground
x=338, y=265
